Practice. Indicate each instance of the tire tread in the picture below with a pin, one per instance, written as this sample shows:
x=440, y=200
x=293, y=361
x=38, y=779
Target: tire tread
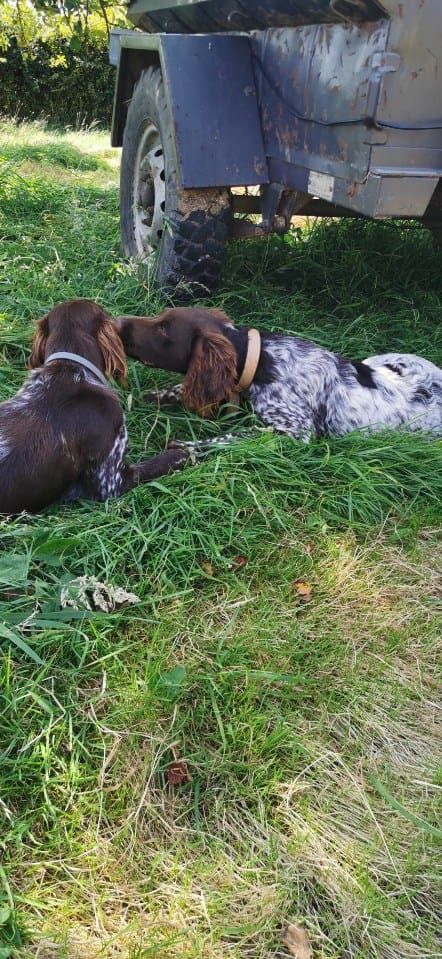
x=193, y=247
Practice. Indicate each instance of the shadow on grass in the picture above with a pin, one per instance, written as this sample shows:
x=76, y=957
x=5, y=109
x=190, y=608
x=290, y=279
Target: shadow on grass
x=340, y=261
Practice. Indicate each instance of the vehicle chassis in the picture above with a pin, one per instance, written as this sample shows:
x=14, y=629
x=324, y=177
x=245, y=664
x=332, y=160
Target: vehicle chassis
x=325, y=107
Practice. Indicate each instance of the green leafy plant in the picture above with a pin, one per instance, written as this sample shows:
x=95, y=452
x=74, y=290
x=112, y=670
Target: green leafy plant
x=54, y=60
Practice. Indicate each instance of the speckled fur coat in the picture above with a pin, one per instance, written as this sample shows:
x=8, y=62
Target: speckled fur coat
x=312, y=392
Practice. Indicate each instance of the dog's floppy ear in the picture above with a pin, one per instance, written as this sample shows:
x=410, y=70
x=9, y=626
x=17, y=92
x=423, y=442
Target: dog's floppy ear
x=211, y=375
x=112, y=350
x=38, y=351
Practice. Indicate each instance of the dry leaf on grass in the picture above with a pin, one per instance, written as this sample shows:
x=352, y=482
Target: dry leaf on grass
x=87, y=592
x=303, y=590
x=296, y=941
x=177, y=773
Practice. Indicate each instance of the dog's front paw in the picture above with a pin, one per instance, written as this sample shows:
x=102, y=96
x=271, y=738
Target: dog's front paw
x=175, y=458
x=176, y=445
x=180, y=446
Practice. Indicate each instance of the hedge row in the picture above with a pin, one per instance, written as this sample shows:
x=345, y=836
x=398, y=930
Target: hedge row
x=53, y=80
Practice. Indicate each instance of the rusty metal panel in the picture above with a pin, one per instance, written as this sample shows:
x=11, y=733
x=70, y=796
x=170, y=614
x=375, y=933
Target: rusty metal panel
x=411, y=96
x=315, y=90
x=213, y=107
x=411, y=152
x=383, y=197
x=321, y=72
x=408, y=196
x=197, y=16
x=324, y=91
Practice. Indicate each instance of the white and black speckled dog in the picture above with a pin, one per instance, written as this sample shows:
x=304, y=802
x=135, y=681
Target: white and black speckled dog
x=293, y=385
x=63, y=434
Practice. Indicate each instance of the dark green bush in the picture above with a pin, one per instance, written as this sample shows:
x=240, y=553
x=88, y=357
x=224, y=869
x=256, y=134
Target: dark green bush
x=67, y=82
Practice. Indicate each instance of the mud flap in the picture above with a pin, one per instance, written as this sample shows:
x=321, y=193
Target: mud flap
x=212, y=98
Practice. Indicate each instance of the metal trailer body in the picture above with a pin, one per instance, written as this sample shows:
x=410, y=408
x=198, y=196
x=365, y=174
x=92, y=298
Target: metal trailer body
x=337, y=100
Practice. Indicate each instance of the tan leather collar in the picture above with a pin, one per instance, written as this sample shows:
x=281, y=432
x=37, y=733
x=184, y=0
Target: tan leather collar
x=251, y=362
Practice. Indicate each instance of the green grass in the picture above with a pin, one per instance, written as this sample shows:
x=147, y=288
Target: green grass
x=309, y=729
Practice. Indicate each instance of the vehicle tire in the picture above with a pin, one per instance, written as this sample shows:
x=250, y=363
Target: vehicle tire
x=186, y=229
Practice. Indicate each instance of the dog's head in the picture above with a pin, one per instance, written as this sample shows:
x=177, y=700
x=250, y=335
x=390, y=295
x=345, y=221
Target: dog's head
x=186, y=340
x=80, y=326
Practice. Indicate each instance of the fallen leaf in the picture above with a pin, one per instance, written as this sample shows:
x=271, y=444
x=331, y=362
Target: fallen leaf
x=297, y=943
x=309, y=547
x=177, y=773
x=208, y=568
x=239, y=561
x=303, y=590
x=87, y=592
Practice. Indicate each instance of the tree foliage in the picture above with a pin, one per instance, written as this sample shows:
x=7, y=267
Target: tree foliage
x=30, y=20
x=54, y=59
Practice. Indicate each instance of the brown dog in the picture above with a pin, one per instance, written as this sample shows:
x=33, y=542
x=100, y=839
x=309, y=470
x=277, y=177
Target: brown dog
x=63, y=435
x=195, y=342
